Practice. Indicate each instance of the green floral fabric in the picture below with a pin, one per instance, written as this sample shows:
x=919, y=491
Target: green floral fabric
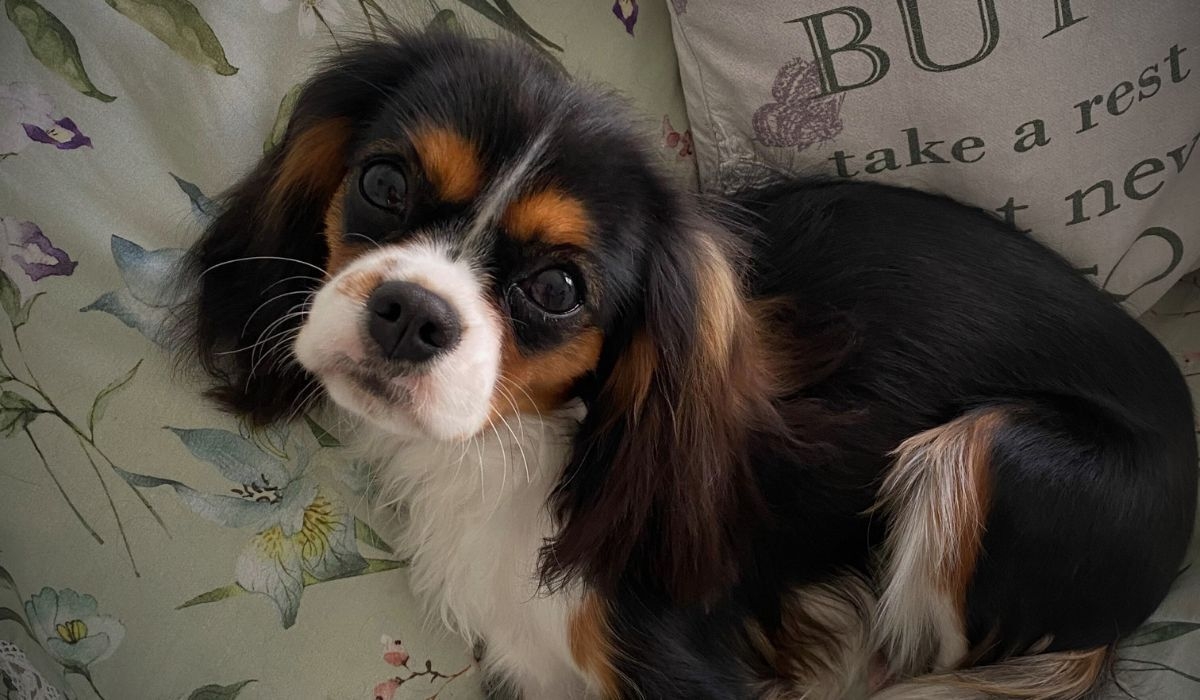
x=150, y=546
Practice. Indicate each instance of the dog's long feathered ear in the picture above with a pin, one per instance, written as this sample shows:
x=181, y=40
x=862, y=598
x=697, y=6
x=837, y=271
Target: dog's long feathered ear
x=254, y=267
x=660, y=489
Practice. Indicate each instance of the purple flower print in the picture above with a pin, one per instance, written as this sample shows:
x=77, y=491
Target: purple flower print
x=63, y=135
x=798, y=118
x=627, y=12
x=27, y=116
x=29, y=256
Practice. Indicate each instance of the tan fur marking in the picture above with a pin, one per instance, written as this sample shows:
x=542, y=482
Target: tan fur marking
x=725, y=325
x=359, y=285
x=451, y=162
x=592, y=646
x=314, y=161
x=762, y=644
x=540, y=382
x=339, y=252
x=551, y=216
x=822, y=650
x=1061, y=675
x=632, y=377
x=722, y=309
x=965, y=441
x=973, y=508
x=342, y=252
x=938, y=495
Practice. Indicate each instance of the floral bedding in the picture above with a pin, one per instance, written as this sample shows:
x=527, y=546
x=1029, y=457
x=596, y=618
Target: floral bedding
x=152, y=547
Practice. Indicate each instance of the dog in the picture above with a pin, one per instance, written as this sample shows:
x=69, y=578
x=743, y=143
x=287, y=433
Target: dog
x=652, y=447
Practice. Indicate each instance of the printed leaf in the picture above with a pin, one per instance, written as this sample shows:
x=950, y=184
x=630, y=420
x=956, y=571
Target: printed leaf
x=377, y=9
x=7, y=579
x=151, y=275
x=53, y=44
x=282, y=116
x=151, y=288
x=1153, y=667
x=100, y=405
x=178, y=24
x=485, y=8
x=1155, y=632
x=219, y=692
x=508, y=10
x=213, y=596
x=150, y=321
x=445, y=20
x=374, y=566
x=16, y=412
x=367, y=535
x=324, y=438
x=10, y=298
x=204, y=208
x=14, y=616
x=517, y=27
x=22, y=316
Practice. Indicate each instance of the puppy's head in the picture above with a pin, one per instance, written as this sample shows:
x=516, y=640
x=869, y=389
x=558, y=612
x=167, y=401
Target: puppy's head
x=451, y=231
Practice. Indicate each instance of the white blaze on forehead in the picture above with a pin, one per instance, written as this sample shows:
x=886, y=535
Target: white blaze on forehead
x=505, y=188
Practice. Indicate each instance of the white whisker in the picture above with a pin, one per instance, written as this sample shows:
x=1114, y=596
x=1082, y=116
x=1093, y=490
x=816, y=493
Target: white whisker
x=262, y=257
x=289, y=279
x=516, y=438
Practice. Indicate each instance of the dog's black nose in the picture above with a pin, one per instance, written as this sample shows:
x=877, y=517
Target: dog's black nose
x=411, y=323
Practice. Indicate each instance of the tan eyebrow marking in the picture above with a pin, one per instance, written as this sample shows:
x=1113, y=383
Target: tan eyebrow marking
x=451, y=162
x=549, y=215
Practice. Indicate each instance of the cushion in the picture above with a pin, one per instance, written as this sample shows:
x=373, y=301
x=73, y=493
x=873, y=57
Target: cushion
x=1077, y=122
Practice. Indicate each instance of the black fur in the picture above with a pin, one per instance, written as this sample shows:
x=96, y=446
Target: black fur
x=1095, y=483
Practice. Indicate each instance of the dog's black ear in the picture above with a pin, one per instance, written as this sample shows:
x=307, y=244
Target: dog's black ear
x=256, y=266
x=660, y=487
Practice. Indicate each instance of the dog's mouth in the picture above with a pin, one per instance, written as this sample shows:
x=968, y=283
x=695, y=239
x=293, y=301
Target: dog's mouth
x=383, y=383
x=405, y=401
x=373, y=389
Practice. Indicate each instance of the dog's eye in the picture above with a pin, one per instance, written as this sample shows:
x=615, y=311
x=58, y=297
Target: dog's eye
x=384, y=185
x=552, y=289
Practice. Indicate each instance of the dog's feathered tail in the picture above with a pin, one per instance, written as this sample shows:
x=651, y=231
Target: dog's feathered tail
x=1062, y=675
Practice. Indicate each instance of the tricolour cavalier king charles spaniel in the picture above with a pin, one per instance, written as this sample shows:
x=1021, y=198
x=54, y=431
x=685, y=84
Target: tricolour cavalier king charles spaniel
x=651, y=451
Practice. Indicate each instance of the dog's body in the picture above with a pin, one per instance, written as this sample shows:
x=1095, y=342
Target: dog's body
x=647, y=454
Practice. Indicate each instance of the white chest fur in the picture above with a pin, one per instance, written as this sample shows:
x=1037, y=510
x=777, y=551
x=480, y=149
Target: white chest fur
x=477, y=516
